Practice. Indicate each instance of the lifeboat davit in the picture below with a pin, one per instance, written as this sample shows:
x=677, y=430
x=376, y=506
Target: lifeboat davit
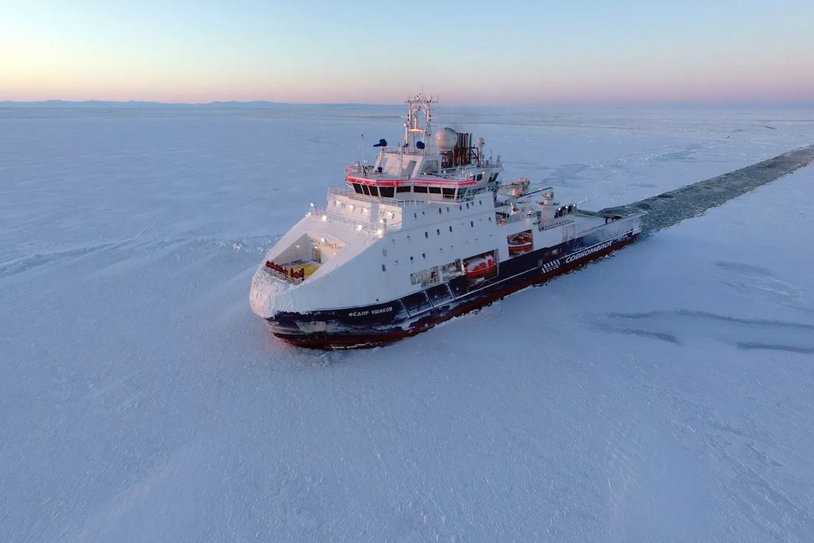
x=478, y=267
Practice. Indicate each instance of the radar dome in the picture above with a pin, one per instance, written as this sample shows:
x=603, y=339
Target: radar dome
x=446, y=138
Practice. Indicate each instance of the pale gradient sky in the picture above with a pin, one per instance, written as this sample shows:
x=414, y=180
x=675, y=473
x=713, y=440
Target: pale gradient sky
x=510, y=52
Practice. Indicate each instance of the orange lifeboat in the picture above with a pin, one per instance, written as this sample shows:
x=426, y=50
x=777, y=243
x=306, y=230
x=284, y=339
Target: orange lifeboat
x=519, y=244
x=479, y=267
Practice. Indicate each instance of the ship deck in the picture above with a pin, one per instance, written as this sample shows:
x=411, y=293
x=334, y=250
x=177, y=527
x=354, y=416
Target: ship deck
x=310, y=266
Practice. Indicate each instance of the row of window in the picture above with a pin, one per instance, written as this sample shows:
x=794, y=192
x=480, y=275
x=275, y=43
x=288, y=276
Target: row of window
x=388, y=192
x=460, y=208
x=426, y=235
x=384, y=192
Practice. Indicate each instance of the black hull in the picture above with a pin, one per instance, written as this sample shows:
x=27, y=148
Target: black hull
x=384, y=323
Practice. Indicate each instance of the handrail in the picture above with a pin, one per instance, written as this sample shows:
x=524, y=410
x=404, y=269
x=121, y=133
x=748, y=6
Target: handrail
x=285, y=277
x=517, y=217
x=552, y=223
x=367, y=226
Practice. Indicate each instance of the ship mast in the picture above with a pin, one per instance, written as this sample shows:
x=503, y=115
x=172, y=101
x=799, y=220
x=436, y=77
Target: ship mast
x=413, y=131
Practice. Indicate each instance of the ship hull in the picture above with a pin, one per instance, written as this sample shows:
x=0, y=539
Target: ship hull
x=384, y=323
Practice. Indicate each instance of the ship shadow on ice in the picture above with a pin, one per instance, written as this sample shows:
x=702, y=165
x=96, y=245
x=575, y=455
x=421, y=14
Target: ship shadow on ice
x=680, y=326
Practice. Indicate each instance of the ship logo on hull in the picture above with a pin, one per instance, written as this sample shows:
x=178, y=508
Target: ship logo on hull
x=589, y=251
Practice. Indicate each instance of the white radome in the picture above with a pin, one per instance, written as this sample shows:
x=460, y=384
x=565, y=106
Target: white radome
x=446, y=139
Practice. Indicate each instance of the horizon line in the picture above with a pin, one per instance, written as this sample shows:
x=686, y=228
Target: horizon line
x=239, y=103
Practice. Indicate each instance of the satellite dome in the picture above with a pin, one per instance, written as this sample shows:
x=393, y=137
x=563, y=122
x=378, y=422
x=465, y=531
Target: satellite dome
x=446, y=138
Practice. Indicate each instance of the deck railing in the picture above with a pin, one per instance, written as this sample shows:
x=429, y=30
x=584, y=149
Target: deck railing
x=553, y=223
x=284, y=276
x=360, y=224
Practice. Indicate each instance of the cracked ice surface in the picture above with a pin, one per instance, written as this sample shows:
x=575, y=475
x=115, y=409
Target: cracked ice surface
x=662, y=394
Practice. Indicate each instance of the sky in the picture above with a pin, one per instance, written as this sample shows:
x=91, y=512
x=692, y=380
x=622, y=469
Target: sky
x=509, y=52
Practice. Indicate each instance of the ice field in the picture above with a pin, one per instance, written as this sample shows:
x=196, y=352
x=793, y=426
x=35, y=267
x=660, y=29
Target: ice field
x=665, y=393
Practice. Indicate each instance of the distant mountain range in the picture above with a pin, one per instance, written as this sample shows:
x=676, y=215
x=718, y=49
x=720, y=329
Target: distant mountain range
x=134, y=103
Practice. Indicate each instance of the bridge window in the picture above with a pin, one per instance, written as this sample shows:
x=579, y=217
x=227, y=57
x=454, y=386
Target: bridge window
x=386, y=192
x=435, y=190
x=430, y=166
x=365, y=190
x=403, y=189
x=449, y=193
x=410, y=169
x=357, y=188
x=374, y=191
x=420, y=189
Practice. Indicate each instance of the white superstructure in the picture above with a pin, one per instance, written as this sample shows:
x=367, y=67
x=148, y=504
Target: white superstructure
x=427, y=212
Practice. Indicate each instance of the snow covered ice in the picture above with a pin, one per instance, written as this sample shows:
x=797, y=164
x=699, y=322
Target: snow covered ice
x=665, y=393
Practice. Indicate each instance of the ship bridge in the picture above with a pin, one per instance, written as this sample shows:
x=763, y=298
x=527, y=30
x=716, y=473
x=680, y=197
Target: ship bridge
x=424, y=166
